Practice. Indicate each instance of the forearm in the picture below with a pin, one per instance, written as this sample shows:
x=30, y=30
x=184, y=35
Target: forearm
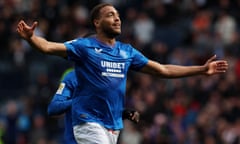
x=47, y=47
x=39, y=43
x=175, y=71
x=172, y=71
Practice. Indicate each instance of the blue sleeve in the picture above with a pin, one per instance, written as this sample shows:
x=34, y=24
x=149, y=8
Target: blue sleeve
x=139, y=60
x=59, y=105
x=62, y=99
x=74, y=49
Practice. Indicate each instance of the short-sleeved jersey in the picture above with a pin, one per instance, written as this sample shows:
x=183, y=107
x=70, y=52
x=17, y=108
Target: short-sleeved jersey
x=102, y=70
x=62, y=103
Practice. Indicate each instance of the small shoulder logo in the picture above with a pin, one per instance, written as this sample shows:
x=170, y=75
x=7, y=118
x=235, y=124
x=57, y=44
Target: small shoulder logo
x=98, y=50
x=123, y=54
x=60, y=88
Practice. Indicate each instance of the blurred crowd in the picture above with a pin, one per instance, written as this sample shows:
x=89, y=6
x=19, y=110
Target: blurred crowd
x=193, y=110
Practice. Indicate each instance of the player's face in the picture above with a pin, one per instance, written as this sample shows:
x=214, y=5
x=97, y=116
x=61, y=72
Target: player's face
x=109, y=21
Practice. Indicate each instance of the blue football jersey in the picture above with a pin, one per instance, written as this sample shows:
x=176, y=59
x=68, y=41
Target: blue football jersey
x=102, y=70
x=62, y=103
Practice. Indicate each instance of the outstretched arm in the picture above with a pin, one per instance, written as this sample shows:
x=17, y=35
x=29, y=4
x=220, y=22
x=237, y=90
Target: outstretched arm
x=39, y=43
x=211, y=67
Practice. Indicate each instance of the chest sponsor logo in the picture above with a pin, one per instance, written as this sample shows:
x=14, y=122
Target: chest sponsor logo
x=113, y=69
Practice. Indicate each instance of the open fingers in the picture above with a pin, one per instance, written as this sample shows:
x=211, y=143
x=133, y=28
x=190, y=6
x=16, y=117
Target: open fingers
x=221, y=66
x=135, y=117
x=20, y=26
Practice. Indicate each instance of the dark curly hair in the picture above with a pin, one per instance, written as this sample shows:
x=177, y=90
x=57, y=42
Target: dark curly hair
x=95, y=12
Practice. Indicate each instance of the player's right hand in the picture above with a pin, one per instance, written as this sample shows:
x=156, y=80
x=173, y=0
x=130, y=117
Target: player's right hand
x=26, y=31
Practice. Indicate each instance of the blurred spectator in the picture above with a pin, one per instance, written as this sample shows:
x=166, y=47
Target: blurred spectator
x=130, y=135
x=127, y=26
x=201, y=32
x=226, y=28
x=237, y=70
x=143, y=28
x=39, y=133
x=11, y=116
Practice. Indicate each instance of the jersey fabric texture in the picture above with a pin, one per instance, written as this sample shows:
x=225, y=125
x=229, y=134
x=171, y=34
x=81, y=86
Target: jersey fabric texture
x=62, y=103
x=102, y=70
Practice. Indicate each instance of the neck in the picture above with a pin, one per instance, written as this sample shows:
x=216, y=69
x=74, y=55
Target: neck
x=106, y=40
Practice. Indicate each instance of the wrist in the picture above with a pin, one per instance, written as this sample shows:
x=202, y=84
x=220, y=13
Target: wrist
x=204, y=69
x=30, y=38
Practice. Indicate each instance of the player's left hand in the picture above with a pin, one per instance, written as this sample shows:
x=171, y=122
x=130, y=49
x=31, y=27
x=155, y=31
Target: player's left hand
x=131, y=115
x=215, y=66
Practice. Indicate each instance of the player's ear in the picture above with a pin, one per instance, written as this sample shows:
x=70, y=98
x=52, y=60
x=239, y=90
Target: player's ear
x=96, y=23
